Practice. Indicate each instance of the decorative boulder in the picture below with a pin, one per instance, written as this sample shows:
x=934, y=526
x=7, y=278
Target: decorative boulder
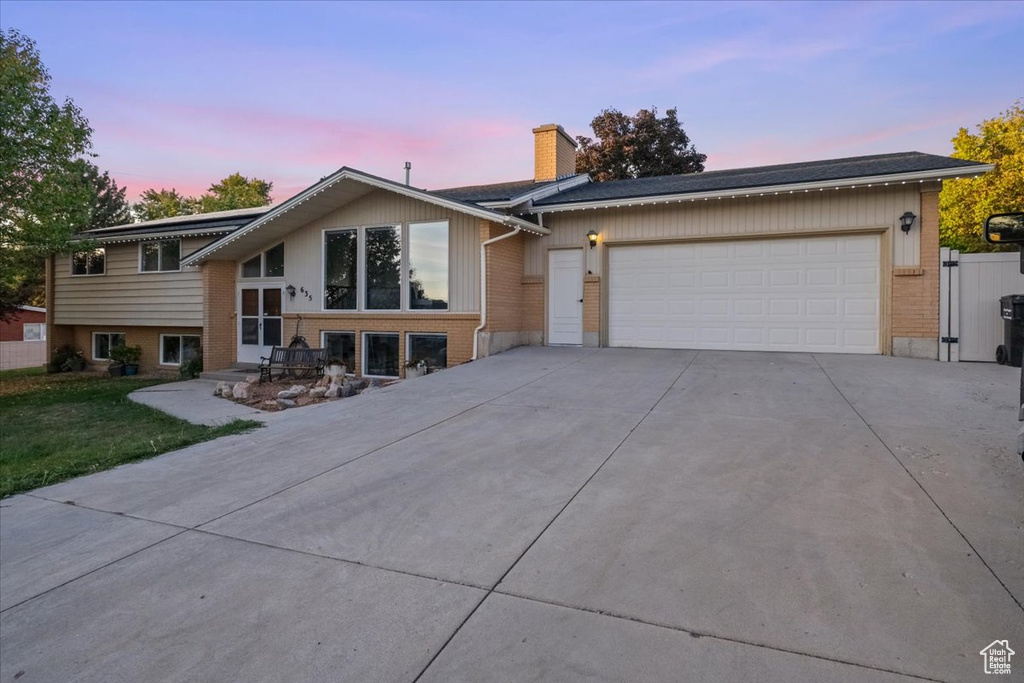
x=333, y=391
x=317, y=392
x=298, y=389
x=376, y=383
x=324, y=381
x=222, y=389
x=288, y=395
x=252, y=379
x=357, y=384
x=240, y=390
x=347, y=390
x=284, y=403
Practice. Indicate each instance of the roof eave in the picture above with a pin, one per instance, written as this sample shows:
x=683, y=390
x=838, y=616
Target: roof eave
x=142, y=236
x=790, y=188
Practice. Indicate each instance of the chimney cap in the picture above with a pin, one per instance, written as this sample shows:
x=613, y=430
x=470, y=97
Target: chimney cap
x=555, y=127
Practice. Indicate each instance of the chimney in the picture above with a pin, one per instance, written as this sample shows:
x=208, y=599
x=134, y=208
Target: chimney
x=554, y=153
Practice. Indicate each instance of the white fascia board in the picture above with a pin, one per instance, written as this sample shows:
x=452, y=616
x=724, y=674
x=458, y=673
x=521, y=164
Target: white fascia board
x=373, y=181
x=143, y=236
x=793, y=188
x=541, y=193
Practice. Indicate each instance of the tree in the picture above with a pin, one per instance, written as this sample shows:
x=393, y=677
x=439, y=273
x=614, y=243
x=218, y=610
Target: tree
x=638, y=146
x=965, y=204
x=109, y=206
x=42, y=201
x=163, y=203
x=236, y=192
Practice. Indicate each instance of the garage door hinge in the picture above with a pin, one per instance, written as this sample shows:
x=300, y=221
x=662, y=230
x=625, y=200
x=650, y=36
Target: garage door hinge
x=950, y=340
x=950, y=264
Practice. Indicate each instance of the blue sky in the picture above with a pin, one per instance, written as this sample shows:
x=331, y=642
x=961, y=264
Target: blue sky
x=182, y=94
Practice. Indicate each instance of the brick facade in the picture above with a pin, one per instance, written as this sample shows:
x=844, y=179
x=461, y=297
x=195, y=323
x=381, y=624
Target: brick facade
x=144, y=336
x=219, y=326
x=554, y=153
x=915, y=291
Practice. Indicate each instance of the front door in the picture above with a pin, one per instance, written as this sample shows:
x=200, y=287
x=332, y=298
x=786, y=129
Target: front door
x=565, y=296
x=259, y=322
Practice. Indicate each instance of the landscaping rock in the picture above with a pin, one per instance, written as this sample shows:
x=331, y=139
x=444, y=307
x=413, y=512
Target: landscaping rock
x=240, y=390
x=376, y=383
x=288, y=394
x=324, y=381
x=252, y=379
x=357, y=384
x=284, y=403
x=298, y=389
x=317, y=392
x=333, y=391
x=222, y=389
x=346, y=391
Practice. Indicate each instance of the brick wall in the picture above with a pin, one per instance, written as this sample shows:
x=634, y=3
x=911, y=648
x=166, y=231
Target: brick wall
x=915, y=291
x=592, y=303
x=533, y=309
x=219, y=327
x=458, y=326
x=146, y=337
x=554, y=153
x=504, y=279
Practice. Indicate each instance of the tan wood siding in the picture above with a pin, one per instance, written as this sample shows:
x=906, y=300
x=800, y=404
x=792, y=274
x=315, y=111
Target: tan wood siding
x=303, y=247
x=833, y=210
x=124, y=296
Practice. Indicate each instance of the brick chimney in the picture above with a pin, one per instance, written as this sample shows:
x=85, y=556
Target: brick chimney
x=554, y=153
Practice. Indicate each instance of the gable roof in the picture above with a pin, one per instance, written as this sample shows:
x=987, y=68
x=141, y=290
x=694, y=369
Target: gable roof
x=337, y=189
x=213, y=223
x=881, y=168
x=514, y=192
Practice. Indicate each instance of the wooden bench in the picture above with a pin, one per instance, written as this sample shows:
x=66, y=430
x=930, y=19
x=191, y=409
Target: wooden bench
x=287, y=359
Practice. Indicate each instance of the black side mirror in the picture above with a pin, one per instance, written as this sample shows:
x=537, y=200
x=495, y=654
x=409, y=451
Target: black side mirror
x=1004, y=228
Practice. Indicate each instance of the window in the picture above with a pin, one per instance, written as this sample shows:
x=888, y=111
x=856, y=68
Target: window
x=432, y=348
x=176, y=349
x=160, y=256
x=89, y=262
x=340, y=258
x=102, y=342
x=268, y=264
x=33, y=332
x=383, y=269
x=428, y=266
x=341, y=346
x=380, y=353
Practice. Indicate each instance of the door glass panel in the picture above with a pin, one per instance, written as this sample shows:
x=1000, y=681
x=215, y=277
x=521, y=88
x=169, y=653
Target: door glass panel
x=250, y=331
x=271, y=331
x=340, y=254
x=271, y=302
x=383, y=269
x=382, y=355
x=250, y=302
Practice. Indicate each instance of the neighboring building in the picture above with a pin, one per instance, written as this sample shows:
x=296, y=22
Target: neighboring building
x=798, y=257
x=23, y=339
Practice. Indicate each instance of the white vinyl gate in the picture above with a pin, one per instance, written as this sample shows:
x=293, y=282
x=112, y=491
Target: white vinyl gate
x=970, y=325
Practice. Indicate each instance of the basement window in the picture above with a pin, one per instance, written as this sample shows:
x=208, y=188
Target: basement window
x=176, y=349
x=341, y=346
x=102, y=342
x=432, y=348
x=380, y=354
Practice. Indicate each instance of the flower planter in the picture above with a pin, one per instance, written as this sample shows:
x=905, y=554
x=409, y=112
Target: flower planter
x=130, y=370
x=116, y=369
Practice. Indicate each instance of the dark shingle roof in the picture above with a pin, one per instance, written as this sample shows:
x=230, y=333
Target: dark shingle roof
x=223, y=221
x=497, y=192
x=763, y=176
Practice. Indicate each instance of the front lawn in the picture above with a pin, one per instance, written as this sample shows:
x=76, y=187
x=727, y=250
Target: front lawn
x=55, y=427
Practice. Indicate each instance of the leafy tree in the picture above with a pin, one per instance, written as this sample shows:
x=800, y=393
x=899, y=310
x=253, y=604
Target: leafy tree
x=965, y=204
x=42, y=201
x=109, y=206
x=236, y=192
x=163, y=203
x=638, y=146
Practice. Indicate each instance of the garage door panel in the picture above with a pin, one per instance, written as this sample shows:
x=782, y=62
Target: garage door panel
x=816, y=294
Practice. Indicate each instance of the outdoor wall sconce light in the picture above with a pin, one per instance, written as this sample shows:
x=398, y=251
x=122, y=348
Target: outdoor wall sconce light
x=291, y=291
x=592, y=237
x=907, y=221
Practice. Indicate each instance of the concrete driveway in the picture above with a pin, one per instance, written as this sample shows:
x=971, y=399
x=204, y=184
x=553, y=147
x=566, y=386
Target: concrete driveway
x=550, y=515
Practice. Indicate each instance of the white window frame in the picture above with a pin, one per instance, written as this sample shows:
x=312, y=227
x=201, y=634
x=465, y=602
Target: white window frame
x=92, y=351
x=262, y=255
x=408, y=342
x=42, y=331
x=181, y=346
x=407, y=262
x=160, y=257
x=355, y=339
x=365, y=350
x=71, y=263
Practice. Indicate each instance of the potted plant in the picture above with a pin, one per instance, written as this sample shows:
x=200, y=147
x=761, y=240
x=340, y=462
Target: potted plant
x=115, y=368
x=416, y=368
x=127, y=356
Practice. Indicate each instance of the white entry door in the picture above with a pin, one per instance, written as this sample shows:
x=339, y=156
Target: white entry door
x=818, y=294
x=565, y=296
x=259, y=321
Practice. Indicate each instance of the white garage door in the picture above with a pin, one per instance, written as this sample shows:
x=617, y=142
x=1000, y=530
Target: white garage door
x=800, y=294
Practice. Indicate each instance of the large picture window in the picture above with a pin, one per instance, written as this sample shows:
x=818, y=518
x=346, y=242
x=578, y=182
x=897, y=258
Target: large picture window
x=428, y=266
x=383, y=268
x=102, y=342
x=341, y=254
x=380, y=351
x=341, y=346
x=176, y=349
x=432, y=348
x=92, y=262
x=161, y=256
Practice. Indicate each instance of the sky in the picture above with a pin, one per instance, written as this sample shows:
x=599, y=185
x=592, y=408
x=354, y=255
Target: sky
x=182, y=94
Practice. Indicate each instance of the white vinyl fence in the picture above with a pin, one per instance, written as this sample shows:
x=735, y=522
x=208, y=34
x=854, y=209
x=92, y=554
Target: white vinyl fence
x=970, y=324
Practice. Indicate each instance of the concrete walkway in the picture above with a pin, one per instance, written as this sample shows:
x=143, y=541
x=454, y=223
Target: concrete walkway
x=555, y=515
x=194, y=401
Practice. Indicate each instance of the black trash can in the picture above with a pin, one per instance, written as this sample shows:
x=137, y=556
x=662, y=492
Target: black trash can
x=1012, y=348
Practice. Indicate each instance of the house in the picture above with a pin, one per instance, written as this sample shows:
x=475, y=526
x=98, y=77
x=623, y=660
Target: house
x=837, y=256
x=23, y=339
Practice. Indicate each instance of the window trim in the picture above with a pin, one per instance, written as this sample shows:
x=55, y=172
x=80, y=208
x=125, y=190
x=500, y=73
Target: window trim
x=42, y=332
x=408, y=343
x=92, y=350
x=160, y=256
x=365, y=350
x=407, y=262
x=262, y=255
x=355, y=342
x=160, y=350
x=71, y=263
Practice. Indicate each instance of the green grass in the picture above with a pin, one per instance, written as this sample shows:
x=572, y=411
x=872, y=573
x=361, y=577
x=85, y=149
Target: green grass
x=55, y=427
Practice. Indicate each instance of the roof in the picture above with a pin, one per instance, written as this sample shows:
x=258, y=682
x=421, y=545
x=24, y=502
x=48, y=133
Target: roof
x=213, y=222
x=808, y=172
x=496, y=192
x=337, y=189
